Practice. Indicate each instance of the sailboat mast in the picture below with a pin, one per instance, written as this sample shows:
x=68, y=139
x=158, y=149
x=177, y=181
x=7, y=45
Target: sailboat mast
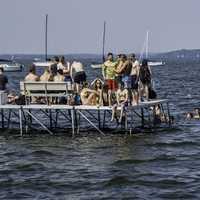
x=104, y=40
x=147, y=45
x=46, y=36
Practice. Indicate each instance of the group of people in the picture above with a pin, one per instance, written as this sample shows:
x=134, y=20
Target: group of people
x=60, y=71
x=125, y=81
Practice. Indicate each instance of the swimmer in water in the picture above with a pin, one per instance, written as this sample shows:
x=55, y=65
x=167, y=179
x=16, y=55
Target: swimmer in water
x=193, y=115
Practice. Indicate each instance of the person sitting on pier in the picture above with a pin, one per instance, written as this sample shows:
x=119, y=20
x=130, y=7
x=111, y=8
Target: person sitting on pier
x=108, y=72
x=122, y=101
x=46, y=76
x=88, y=96
x=31, y=76
x=79, y=76
x=97, y=85
x=104, y=98
x=62, y=63
x=59, y=76
x=54, y=66
x=145, y=79
x=3, y=80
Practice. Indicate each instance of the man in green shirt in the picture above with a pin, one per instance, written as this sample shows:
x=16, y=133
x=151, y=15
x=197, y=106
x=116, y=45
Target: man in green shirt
x=108, y=71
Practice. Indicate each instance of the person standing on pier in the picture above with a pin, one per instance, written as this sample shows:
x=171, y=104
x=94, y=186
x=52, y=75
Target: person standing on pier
x=108, y=72
x=3, y=80
x=54, y=66
x=134, y=76
x=145, y=79
x=79, y=75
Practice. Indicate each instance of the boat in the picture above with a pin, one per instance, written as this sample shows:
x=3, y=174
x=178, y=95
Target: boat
x=46, y=62
x=145, y=48
x=99, y=65
x=155, y=63
x=10, y=65
x=43, y=64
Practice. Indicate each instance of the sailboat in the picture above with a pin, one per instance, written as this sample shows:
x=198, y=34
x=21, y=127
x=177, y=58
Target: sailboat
x=146, y=48
x=11, y=65
x=97, y=66
x=45, y=63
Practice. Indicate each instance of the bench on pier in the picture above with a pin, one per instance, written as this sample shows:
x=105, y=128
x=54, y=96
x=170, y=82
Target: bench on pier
x=44, y=89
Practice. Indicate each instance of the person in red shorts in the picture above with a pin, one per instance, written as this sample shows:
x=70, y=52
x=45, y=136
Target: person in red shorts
x=109, y=74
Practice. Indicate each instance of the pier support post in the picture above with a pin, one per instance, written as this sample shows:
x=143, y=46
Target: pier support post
x=2, y=119
x=99, y=119
x=73, y=122
x=50, y=119
x=20, y=121
x=142, y=117
x=90, y=122
x=168, y=113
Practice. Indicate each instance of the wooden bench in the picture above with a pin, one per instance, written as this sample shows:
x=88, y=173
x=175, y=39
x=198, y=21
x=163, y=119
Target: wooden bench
x=44, y=89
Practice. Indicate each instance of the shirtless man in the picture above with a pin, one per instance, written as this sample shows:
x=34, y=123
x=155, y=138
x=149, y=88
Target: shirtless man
x=32, y=74
x=121, y=60
x=79, y=75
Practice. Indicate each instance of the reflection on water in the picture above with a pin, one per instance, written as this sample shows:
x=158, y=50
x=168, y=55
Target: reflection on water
x=147, y=166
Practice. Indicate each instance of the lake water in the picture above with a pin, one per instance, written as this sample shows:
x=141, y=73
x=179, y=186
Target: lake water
x=161, y=165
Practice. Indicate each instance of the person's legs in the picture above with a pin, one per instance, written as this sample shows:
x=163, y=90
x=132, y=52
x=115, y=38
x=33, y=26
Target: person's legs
x=110, y=87
x=146, y=92
x=135, y=97
x=90, y=100
x=121, y=113
x=123, y=105
x=114, y=109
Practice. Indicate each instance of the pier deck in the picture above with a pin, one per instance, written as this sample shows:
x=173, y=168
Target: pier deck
x=77, y=118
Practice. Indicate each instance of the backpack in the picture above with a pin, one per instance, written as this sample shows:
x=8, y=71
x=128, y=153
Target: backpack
x=145, y=75
x=152, y=93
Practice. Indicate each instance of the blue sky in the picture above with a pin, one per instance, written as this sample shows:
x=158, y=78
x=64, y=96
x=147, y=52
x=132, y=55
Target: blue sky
x=75, y=26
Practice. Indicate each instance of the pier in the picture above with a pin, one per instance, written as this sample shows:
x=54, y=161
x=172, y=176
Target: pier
x=76, y=119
